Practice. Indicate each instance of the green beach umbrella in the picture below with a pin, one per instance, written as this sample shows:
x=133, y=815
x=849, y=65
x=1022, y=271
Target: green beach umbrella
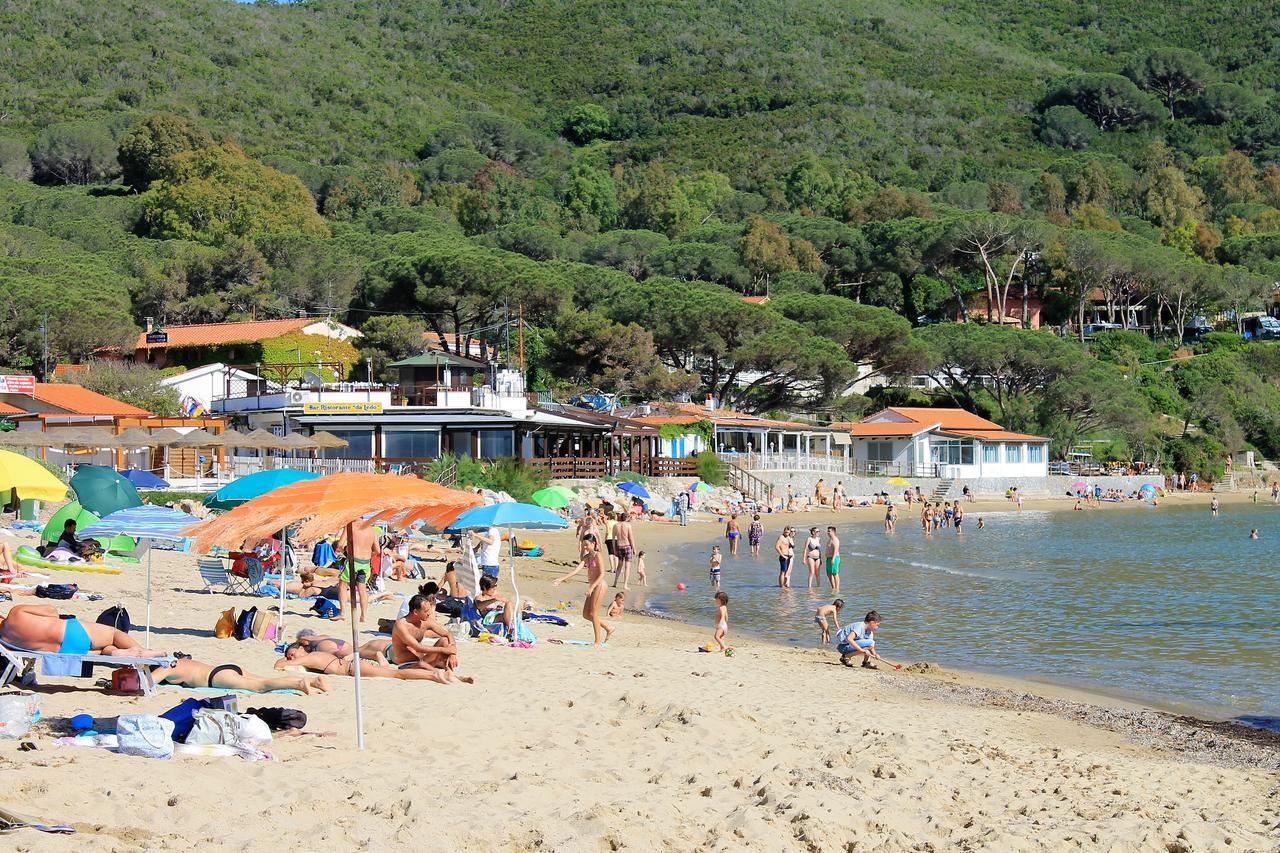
x=102, y=490
x=552, y=498
x=83, y=518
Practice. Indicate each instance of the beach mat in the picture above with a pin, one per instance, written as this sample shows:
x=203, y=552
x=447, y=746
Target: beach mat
x=232, y=690
x=10, y=821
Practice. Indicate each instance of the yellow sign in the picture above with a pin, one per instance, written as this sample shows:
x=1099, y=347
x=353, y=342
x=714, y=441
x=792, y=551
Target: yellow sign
x=342, y=408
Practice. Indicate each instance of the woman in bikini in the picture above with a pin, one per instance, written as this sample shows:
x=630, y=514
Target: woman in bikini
x=327, y=663
x=733, y=534
x=306, y=586
x=813, y=555
x=595, y=588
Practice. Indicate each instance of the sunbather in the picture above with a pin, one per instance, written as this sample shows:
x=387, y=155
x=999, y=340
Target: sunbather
x=197, y=674
x=327, y=663
x=40, y=628
x=374, y=650
x=488, y=601
x=307, y=586
x=419, y=641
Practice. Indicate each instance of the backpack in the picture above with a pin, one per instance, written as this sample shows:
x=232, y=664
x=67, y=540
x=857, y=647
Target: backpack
x=117, y=617
x=58, y=591
x=325, y=608
x=279, y=719
x=244, y=625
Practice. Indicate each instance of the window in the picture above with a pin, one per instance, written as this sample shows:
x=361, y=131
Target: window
x=879, y=451
x=951, y=451
x=359, y=444
x=990, y=454
x=1035, y=452
x=496, y=443
x=410, y=444
x=1013, y=453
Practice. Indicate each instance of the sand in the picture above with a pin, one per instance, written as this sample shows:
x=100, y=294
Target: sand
x=644, y=745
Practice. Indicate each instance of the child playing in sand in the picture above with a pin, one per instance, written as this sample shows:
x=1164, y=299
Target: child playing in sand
x=644, y=581
x=615, y=609
x=722, y=621
x=828, y=611
x=859, y=639
x=715, y=566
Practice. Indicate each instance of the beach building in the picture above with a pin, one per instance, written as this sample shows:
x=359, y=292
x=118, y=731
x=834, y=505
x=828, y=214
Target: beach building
x=689, y=428
x=942, y=443
x=300, y=339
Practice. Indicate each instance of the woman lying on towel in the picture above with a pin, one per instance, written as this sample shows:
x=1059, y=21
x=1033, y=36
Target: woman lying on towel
x=197, y=674
x=40, y=628
x=327, y=663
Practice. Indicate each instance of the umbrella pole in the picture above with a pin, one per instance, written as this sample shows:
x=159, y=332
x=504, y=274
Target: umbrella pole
x=354, y=604
x=148, y=643
x=284, y=566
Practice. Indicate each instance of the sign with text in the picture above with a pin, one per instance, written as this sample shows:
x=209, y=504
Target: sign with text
x=17, y=384
x=157, y=337
x=368, y=408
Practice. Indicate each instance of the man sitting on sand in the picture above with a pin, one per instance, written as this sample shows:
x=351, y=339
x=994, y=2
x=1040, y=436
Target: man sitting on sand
x=327, y=663
x=40, y=628
x=197, y=675
x=418, y=641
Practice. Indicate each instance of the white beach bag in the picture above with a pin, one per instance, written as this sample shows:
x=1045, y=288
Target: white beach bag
x=146, y=735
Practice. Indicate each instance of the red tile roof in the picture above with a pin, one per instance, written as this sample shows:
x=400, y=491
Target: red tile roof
x=6, y=409
x=993, y=435
x=81, y=401
x=220, y=334
x=919, y=419
x=886, y=429
x=948, y=418
x=756, y=300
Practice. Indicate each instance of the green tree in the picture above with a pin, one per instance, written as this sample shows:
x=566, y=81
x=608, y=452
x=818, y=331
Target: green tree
x=766, y=251
x=591, y=198
x=218, y=194
x=145, y=150
x=352, y=191
x=388, y=338
x=14, y=161
x=1109, y=100
x=1172, y=73
x=1174, y=205
x=1224, y=102
x=136, y=384
x=586, y=123
x=73, y=153
x=633, y=252
x=1003, y=197
x=588, y=350
x=1066, y=127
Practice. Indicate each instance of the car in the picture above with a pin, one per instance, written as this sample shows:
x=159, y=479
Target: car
x=1261, y=328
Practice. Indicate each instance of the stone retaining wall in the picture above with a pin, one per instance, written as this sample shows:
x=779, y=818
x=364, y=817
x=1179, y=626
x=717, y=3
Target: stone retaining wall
x=1053, y=486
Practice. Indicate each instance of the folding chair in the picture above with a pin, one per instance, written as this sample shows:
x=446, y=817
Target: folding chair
x=214, y=573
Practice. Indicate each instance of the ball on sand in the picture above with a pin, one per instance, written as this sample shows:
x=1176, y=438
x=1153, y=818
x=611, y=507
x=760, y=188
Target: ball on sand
x=680, y=587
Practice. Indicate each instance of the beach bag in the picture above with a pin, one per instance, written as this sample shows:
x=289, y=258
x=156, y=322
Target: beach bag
x=226, y=625
x=325, y=608
x=117, y=617
x=244, y=625
x=265, y=625
x=146, y=735
x=211, y=725
x=280, y=719
x=57, y=591
x=18, y=711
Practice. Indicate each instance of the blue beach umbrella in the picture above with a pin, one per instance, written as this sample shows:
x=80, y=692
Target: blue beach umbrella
x=255, y=485
x=513, y=516
x=144, y=479
x=1147, y=491
x=146, y=523
x=634, y=489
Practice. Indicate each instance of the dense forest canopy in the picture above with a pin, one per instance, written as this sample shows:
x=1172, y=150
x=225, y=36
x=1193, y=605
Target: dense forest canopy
x=620, y=175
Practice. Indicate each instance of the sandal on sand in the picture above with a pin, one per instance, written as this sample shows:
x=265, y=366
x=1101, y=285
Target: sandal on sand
x=866, y=664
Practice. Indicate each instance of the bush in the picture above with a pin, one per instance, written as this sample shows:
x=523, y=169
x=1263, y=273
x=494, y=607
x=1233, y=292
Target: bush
x=160, y=497
x=710, y=468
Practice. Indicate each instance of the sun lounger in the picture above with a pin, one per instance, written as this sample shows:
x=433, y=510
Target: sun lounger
x=19, y=664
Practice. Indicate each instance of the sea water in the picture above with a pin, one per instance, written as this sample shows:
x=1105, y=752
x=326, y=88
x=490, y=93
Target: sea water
x=1164, y=604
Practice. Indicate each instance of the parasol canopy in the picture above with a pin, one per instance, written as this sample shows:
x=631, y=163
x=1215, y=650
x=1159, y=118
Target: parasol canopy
x=102, y=491
x=328, y=441
x=144, y=479
x=197, y=438
x=255, y=485
x=634, y=489
x=28, y=479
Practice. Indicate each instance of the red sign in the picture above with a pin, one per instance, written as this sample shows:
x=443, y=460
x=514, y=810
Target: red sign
x=14, y=384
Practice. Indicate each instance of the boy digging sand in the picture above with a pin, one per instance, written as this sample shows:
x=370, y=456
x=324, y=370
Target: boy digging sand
x=828, y=611
x=860, y=639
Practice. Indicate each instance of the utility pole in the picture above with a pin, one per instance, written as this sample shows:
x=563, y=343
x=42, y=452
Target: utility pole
x=521, y=314
x=507, y=329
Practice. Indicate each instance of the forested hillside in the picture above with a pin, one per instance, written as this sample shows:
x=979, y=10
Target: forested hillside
x=620, y=174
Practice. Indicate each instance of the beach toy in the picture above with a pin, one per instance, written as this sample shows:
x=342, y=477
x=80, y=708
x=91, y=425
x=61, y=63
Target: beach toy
x=728, y=653
x=680, y=587
x=82, y=722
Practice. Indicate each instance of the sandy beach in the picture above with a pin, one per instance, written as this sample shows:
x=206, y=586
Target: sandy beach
x=646, y=744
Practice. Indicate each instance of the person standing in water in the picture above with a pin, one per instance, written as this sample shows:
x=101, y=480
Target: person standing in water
x=813, y=556
x=1213, y=506
x=733, y=534
x=786, y=549
x=958, y=518
x=755, y=532
x=833, y=559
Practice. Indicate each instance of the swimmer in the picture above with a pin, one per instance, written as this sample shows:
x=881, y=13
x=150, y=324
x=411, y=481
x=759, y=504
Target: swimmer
x=1253, y=534
x=981, y=524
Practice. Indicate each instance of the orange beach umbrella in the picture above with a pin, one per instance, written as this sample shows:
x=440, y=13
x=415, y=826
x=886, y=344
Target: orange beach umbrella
x=329, y=503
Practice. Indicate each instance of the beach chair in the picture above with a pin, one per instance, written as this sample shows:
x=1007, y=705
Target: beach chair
x=19, y=665
x=214, y=573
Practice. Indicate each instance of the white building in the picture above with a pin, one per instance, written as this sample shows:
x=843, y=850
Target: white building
x=946, y=443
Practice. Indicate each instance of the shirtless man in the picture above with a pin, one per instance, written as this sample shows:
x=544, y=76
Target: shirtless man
x=327, y=663
x=624, y=545
x=40, y=628
x=489, y=600
x=833, y=559
x=359, y=552
x=786, y=548
x=196, y=675
x=418, y=641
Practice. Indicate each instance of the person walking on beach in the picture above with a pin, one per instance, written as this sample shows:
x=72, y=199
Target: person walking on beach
x=786, y=548
x=624, y=545
x=640, y=573
x=1275, y=491
x=595, y=589
x=682, y=508
x=833, y=559
x=714, y=565
x=837, y=496
x=358, y=558
x=722, y=622
x=755, y=532
x=819, y=493
x=828, y=612
x=1213, y=506
x=813, y=556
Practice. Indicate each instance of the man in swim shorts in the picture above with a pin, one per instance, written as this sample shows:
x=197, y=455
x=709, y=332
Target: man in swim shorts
x=833, y=559
x=40, y=628
x=357, y=558
x=327, y=663
x=418, y=641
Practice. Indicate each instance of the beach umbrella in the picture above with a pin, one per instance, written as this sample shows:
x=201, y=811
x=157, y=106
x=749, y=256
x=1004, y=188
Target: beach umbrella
x=634, y=489
x=197, y=438
x=255, y=485
x=137, y=437
x=83, y=518
x=551, y=498
x=897, y=481
x=28, y=479
x=102, y=491
x=1078, y=485
x=328, y=441
x=144, y=479
x=1147, y=490
x=298, y=441
x=259, y=439
x=24, y=438
x=164, y=437
x=700, y=487
x=329, y=503
x=149, y=524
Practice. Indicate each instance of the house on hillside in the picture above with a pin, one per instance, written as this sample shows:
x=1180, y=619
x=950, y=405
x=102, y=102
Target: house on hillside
x=300, y=340
x=947, y=443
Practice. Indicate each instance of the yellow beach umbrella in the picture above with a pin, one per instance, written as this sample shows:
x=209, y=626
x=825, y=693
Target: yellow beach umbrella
x=897, y=481
x=28, y=479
